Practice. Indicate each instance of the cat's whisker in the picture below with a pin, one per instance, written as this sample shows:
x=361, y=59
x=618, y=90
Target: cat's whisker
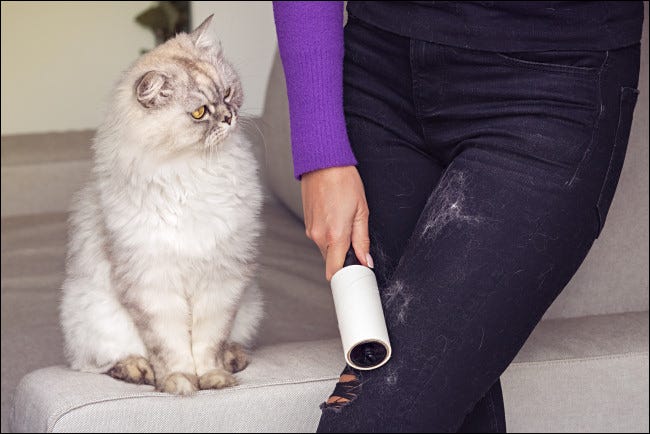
x=209, y=155
x=250, y=122
x=248, y=112
x=246, y=121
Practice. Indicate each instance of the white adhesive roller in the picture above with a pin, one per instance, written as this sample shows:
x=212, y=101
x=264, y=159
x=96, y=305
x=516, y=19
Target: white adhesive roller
x=360, y=317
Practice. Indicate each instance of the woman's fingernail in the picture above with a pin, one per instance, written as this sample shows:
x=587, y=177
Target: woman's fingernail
x=371, y=264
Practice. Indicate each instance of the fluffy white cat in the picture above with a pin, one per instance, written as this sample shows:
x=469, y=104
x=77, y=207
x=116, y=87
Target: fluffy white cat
x=162, y=244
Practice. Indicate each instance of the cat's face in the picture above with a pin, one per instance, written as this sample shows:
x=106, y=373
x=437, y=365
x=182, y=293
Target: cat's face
x=188, y=96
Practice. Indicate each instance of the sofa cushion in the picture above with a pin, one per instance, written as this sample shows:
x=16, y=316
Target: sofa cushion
x=582, y=374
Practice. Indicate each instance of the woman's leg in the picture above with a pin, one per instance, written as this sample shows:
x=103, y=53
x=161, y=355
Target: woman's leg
x=530, y=165
x=388, y=141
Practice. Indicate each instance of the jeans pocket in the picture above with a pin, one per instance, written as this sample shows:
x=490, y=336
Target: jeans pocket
x=580, y=62
x=628, y=99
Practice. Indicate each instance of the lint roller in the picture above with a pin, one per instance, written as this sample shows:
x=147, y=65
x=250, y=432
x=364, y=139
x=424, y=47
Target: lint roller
x=360, y=316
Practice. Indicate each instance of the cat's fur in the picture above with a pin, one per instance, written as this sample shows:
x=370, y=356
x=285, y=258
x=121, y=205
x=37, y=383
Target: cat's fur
x=162, y=245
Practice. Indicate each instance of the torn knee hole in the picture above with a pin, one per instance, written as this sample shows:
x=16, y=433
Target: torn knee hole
x=337, y=400
x=346, y=391
x=346, y=378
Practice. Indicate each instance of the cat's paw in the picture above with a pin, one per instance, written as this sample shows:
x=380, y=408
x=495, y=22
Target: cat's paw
x=216, y=379
x=133, y=369
x=179, y=383
x=234, y=357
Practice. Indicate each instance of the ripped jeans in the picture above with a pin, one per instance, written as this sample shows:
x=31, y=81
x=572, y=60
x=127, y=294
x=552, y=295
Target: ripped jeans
x=488, y=177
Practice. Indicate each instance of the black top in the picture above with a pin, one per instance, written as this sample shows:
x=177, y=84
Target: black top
x=509, y=26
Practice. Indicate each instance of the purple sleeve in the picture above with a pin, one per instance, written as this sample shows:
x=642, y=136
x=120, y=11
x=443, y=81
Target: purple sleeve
x=310, y=38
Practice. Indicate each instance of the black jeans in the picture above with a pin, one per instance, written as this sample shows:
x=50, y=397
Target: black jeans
x=488, y=177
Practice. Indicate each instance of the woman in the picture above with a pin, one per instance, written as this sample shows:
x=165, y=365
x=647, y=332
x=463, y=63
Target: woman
x=488, y=139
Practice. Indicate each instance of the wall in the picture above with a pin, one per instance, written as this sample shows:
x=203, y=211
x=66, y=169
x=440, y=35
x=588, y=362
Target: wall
x=60, y=60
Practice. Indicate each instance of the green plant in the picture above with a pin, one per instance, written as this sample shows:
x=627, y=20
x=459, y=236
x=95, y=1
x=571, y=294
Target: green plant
x=166, y=19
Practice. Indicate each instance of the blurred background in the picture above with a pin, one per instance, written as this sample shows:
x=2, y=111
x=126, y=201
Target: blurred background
x=60, y=59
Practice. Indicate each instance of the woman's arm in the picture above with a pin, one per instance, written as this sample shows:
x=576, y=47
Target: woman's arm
x=310, y=37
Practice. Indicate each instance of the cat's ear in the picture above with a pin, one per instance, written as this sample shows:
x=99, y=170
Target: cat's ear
x=201, y=36
x=153, y=89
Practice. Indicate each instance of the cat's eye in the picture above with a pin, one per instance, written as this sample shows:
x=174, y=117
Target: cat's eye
x=199, y=112
x=227, y=94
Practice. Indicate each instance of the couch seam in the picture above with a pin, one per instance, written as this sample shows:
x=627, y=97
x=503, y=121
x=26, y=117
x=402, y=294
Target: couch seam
x=580, y=359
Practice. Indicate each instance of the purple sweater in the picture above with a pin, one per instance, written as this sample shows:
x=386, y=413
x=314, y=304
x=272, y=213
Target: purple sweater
x=310, y=38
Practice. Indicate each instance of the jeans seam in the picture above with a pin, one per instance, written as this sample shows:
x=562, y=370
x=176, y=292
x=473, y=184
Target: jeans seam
x=411, y=64
x=416, y=105
x=414, y=49
x=609, y=164
x=611, y=158
x=596, y=125
x=548, y=67
x=495, y=421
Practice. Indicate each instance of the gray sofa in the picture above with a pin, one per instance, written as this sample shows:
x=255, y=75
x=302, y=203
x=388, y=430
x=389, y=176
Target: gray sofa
x=584, y=368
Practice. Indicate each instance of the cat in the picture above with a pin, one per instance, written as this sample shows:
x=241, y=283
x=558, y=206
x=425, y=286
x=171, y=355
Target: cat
x=159, y=285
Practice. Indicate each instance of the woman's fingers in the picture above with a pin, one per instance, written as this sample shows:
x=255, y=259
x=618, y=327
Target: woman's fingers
x=360, y=238
x=336, y=252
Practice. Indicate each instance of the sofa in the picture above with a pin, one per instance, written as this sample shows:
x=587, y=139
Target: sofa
x=584, y=368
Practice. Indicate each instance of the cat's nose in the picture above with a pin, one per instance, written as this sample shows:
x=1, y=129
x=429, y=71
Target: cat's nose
x=227, y=119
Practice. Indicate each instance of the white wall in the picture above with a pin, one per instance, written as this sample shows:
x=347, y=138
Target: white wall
x=60, y=59
x=247, y=33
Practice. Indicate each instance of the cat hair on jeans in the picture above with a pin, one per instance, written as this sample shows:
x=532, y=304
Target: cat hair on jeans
x=161, y=260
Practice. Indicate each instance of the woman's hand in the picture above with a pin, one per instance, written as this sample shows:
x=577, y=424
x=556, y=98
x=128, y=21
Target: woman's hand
x=336, y=212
